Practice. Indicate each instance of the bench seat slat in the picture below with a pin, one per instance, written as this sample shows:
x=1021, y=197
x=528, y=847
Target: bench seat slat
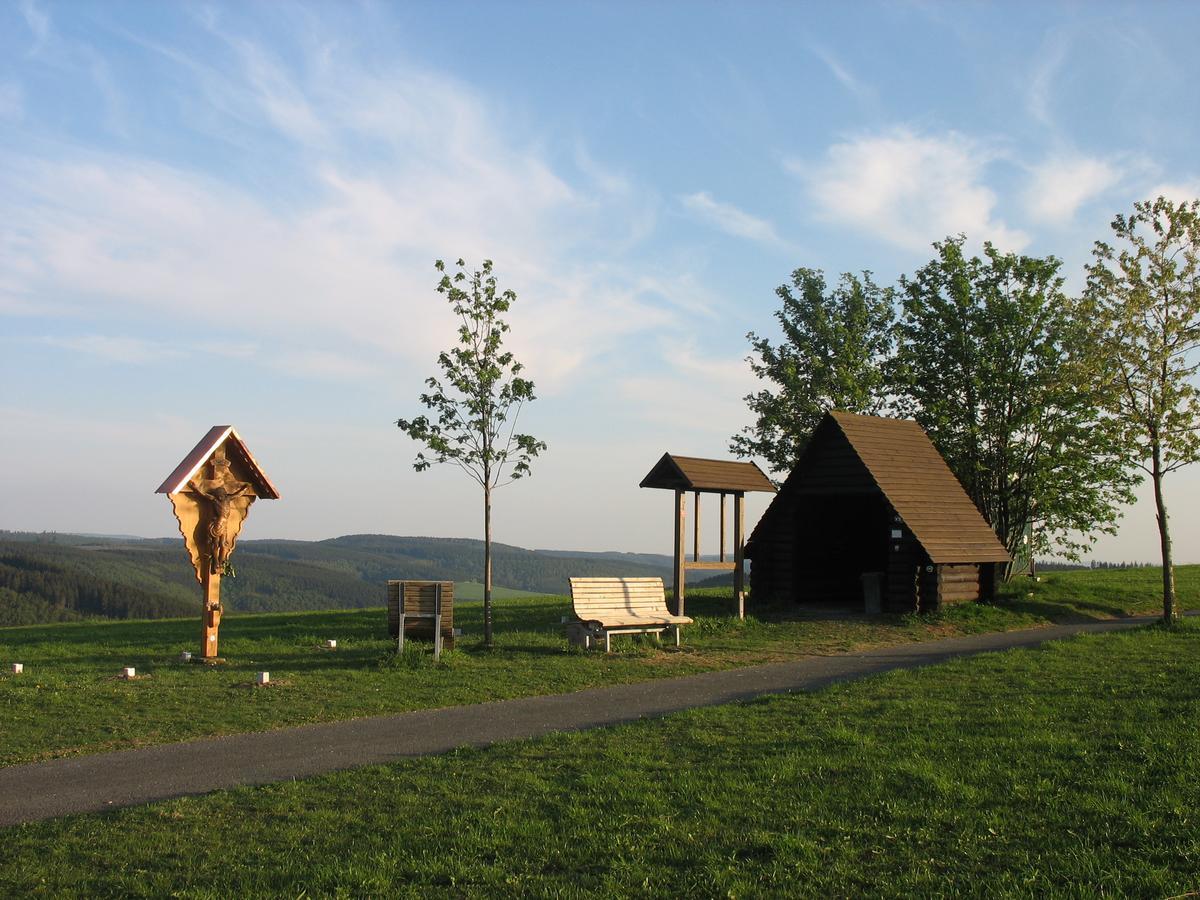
x=620, y=621
x=624, y=605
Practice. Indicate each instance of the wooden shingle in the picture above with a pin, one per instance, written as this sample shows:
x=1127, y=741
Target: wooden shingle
x=692, y=473
x=921, y=488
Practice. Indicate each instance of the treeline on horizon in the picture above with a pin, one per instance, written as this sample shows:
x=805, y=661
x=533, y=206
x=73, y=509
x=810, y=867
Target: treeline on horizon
x=55, y=577
x=1058, y=565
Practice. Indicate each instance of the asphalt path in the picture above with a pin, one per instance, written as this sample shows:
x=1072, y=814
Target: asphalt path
x=105, y=781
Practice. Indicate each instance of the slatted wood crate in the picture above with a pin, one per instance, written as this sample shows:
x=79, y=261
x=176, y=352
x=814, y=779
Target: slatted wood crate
x=419, y=609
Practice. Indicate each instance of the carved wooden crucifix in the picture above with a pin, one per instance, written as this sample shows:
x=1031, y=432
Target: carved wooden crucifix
x=211, y=492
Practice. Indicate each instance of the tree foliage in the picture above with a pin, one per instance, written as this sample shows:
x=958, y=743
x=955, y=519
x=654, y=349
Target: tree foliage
x=835, y=341
x=1143, y=298
x=992, y=363
x=476, y=402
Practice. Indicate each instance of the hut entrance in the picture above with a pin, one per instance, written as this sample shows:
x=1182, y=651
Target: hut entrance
x=838, y=539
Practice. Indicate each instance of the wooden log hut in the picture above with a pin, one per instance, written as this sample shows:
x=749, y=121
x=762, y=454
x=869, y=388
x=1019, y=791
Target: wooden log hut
x=873, y=497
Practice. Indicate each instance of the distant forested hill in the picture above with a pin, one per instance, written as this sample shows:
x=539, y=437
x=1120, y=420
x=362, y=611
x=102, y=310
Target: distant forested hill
x=56, y=577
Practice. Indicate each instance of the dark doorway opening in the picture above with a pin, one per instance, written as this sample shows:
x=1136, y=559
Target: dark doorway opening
x=838, y=539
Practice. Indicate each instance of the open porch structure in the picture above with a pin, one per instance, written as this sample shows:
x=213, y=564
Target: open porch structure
x=690, y=474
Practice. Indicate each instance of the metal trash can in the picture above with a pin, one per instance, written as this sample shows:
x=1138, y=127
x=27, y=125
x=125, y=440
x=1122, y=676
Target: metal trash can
x=872, y=588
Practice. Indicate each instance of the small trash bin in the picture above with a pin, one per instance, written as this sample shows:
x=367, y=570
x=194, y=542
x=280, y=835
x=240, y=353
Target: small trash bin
x=872, y=587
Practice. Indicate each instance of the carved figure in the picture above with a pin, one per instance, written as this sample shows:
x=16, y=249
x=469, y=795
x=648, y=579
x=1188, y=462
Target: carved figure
x=211, y=501
x=220, y=489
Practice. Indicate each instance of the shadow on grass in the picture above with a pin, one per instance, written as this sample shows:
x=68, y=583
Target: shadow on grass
x=1066, y=613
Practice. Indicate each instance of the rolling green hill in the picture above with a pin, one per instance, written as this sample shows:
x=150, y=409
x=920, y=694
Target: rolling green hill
x=60, y=577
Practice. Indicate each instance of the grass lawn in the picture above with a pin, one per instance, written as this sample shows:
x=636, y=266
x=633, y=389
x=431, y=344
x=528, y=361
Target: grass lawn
x=473, y=590
x=69, y=700
x=1068, y=770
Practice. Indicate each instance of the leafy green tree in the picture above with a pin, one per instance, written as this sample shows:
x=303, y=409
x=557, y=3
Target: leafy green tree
x=1143, y=297
x=477, y=401
x=992, y=362
x=834, y=344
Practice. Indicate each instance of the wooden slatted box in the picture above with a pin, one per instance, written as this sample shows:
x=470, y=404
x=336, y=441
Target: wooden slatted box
x=419, y=602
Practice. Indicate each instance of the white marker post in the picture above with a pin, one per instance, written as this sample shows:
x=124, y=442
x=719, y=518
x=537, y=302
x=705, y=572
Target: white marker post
x=263, y=678
x=18, y=668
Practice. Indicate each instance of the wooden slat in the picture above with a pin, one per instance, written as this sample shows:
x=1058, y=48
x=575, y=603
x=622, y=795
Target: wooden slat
x=622, y=621
x=622, y=602
x=721, y=566
x=419, y=608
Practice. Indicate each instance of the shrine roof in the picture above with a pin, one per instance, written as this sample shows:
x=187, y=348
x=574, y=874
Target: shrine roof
x=204, y=450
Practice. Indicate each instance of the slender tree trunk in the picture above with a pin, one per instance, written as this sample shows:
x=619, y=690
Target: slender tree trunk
x=1170, y=602
x=487, y=566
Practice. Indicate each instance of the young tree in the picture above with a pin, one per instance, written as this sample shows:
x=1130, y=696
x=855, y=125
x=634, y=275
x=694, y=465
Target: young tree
x=1144, y=300
x=835, y=342
x=992, y=363
x=476, y=402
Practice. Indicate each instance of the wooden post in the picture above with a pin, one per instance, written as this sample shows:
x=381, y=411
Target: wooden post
x=696, y=529
x=437, y=621
x=211, y=615
x=400, y=618
x=739, y=549
x=723, y=526
x=680, y=513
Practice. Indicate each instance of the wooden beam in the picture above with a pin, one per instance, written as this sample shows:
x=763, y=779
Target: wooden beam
x=739, y=554
x=723, y=496
x=705, y=564
x=211, y=612
x=680, y=551
x=696, y=529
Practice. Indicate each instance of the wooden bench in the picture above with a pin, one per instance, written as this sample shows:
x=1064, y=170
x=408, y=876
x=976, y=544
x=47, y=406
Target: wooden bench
x=608, y=606
x=422, y=609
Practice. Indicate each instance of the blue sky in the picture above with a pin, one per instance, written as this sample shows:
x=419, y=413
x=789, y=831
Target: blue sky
x=229, y=213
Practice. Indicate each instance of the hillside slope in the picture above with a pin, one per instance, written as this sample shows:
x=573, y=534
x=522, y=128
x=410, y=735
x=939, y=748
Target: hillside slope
x=57, y=577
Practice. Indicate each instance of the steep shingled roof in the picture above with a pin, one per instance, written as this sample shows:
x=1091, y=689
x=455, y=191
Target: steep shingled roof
x=691, y=473
x=921, y=488
x=916, y=481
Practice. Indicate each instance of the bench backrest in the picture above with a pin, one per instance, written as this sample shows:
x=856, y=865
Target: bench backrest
x=602, y=598
x=419, y=601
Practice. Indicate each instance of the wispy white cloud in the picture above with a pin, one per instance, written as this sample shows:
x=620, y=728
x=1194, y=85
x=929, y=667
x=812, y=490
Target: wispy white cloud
x=908, y=188
x=38, y=21
x=842, y=73
x=729, y=218
x=350, y=258
x=12, y=101
x=1182, y=191
x=1044, y=76
x=324, y=364
x=702, y=393
x=284, y=104
x=51, y=48
x=127, y=350
x=1061, y=184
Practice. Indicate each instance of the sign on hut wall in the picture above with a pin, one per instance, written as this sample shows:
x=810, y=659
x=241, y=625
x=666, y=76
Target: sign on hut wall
x=211, y=491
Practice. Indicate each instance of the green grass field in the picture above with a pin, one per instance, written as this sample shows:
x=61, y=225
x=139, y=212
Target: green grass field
x=1068, y=770
x=69, y=700
x=473, y=590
